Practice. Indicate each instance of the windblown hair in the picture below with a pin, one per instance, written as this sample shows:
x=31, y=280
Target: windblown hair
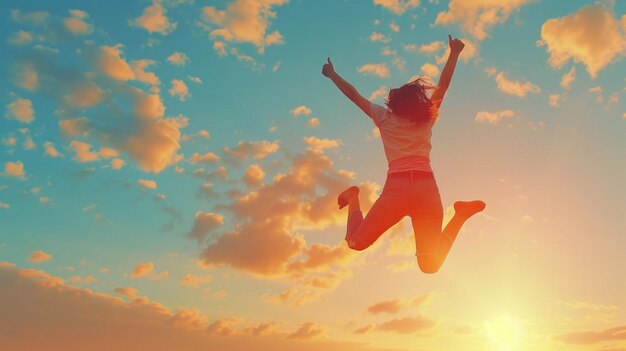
x=411, y=101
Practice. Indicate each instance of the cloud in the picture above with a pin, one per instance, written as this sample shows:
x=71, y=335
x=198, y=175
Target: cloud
x=321, y=144
x=555, y=100
x=154, y=19
x=493, y=117
x=430, y=70
x=56, y=309
x=592, y=36
x=21, y=110
x=381, y=92
x=378, y=37
x=364, y=330
x=253, y=176
x=194, y=281
x=20, y=38
x=431, y=48
x=390, y=306
x=83, y=152
x=255, y=149
x=39, y=256
x=209, y=157
x=205, y=224
x=117, y=163
x=313, y=122
x=148, y=184
x=513, y=87
x=245, y=21
x=128, y=291
x=266, y=241
x=301, y=110
x=223, y=327
x=398, y=7
x=113, y=65
x=14, y=169
x=84, y=95
x=407, y=325
x=593, y=337
x=139, y=69
x=477, y=17
x=261, y=329
x=376, y=69
x=568, y=78
x=178, y=59
x=179, y=89
x=307, y=330
x=76, y=22
x=142, y=269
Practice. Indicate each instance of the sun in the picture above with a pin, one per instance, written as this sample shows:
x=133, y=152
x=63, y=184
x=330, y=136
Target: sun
x=505, y=332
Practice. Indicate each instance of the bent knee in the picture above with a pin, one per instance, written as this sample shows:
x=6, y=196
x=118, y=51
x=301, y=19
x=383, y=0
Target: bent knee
x=357, y=245
x=428, y=263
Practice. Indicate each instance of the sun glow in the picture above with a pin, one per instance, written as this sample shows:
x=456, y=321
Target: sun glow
x=505, y=332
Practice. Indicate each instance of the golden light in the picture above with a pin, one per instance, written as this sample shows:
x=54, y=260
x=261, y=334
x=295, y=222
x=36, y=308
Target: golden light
x=505, y=332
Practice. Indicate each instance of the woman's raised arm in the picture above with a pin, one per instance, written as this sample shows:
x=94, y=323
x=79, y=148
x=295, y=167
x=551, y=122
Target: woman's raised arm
x=346, y=88
x=456, y=46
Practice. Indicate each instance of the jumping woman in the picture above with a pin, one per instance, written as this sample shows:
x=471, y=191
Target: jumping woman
x=410, y=189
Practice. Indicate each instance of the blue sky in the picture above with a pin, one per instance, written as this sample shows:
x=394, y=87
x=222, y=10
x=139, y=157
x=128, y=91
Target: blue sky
x=533, y=123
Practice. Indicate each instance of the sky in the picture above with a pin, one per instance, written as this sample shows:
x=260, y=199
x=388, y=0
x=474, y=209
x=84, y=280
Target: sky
x=169, y=172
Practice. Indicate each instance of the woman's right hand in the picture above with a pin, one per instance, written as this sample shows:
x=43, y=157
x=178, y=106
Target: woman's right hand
x=456, y=45
x=328, y=69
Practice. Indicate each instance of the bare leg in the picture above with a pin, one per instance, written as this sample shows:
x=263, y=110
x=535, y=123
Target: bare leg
x=435, y=246
x=363, y=232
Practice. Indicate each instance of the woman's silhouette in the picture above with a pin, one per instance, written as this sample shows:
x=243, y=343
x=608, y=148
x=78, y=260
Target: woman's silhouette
x=410, y=189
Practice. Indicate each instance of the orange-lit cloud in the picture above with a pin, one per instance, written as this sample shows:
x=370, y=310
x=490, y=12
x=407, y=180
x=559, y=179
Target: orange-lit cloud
x=376, y=69
x=493, y=117
x=209, y=157
x=593, y=337
x=148, y=184
x=379, y=37
x=179, y=89
x=255, y=149
x=381, y=92
x=142, y=269
x=246, y=21
x=139, y=69
x=469, y=52
x=39, y=256
x=15, y=169
x=568, y=78
x=253, y=175
x=512, y=87
x=21, y=110
x=83, y=152
x=320, y=144
x=113, y=65
x=430, y=70
x=84, y=95
x=478, y=16
x=178, y=59
x=189, y=319
x=301, y=110
x=154, y=19
x=223, y=327
x=194, y=281
x=592, y=36
x=307, y=330
x=407, y=325
x=398, y=7
x=76, y=23
x=204, y=224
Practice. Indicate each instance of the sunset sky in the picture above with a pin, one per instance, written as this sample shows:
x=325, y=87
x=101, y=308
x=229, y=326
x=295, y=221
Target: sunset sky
x=169, y=172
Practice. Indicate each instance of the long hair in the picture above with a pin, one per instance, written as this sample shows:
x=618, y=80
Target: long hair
x=411, y=101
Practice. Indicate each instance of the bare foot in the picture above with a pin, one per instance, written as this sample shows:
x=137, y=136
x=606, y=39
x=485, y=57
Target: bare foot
x=468, y=208
x=350, y=194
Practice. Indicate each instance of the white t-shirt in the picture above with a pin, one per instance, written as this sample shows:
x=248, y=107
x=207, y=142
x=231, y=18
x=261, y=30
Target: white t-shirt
x=407, y=144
